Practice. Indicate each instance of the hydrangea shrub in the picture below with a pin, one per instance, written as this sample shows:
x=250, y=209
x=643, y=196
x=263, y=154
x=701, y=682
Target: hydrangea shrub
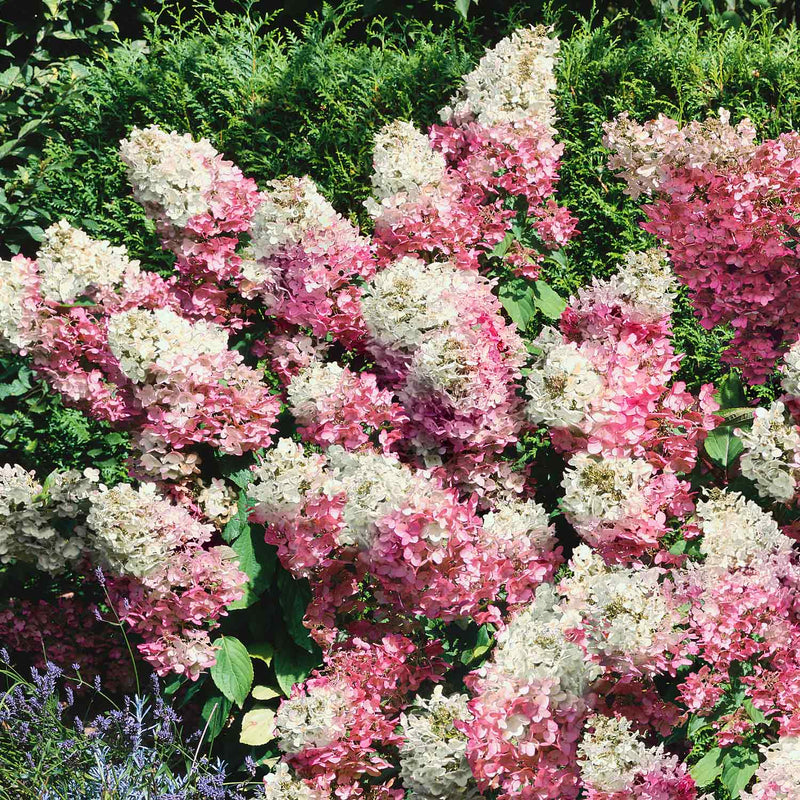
x=358, y=402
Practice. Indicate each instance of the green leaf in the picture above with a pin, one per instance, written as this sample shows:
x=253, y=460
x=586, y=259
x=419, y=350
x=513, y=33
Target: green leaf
x=233, y=672
x=501, y=248
x=215, y=715
x=257, y=560
x=755, y=714
x=294, y=596
x=731, y=393
x=708, y=768
x=549, y=302
x=738, y=767
x=462, y=6
x=263, y=651
x=238, y=523
x=264, y=693
x=292, y=665
x=518, y=300
x=723, y=446
x=482, y=646
x=258, y=727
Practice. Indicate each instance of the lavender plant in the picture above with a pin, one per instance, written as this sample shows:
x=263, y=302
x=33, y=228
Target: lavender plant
x=55, y=746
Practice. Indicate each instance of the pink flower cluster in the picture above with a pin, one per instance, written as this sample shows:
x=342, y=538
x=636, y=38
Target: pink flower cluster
x=726, y=208
x=466, y=213
x=67, y=631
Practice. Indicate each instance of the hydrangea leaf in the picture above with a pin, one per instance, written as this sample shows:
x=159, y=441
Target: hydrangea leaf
x=233, y=672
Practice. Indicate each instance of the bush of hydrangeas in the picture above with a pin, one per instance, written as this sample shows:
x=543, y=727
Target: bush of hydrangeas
x=352, y=403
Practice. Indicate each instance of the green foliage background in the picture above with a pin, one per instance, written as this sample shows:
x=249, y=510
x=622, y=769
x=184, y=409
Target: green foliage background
x=280, y=96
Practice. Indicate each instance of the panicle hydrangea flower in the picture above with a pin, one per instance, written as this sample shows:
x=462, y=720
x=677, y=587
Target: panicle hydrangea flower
x=790, y=380
x=620, y=505
x=218, y=501
x=70, y=262
x=607, y=489
x=135, y=531
x=284, y=478
x=771, y=457
x=611, y=755
x=521, y=540
x=374, y=485
x=622, y=327
x=433, y=755
x=404, y=164
x=528, y=707
x=644, y=155
x=19, y=303
x=512, y=82
x=305, y=261
x=290, y=208
x=337, y=406
x=29, y=515
x=778, y=776
x=311, y=719
x=534, y=647
x=617, y=765
x=142, y=340
x=747, y=615
x=644, y=282
x=714, y=207
x=562, y=384
x=280, y=784
x=737, y=532
x=169, y=172
x=66, y=631
x=625, y=614
x=409, y=299
x=175, y=607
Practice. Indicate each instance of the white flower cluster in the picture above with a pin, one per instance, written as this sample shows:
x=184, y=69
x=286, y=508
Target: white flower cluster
x=645, y=282
x=280, y=784
x=622, y=610
x=512, y=520
x=433, y=756
x=562, y=384
x=791, y=370
x=123, y=534
x=403, y=165
x=38, y=523
x=611, y=755
x=285, y=478
x=607, y=489
x=645, y=153
x=311, y=720
x=778, y=777
x=312, y=384
x=169, y=171
x=70, y=262
x=375, y=485
x=771, y=457
x=445, y=362
x=534, y=647
x=14, y=291
x=737, y=532
x=141, y=339
x=409, y=299
x=218, y=501
x=289, y=208
x=512, y=82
